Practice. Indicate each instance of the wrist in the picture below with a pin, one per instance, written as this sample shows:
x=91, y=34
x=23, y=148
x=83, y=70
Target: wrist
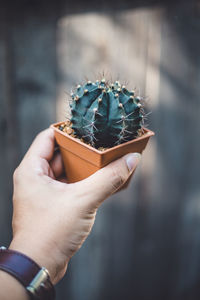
x=11, y=288
x=29, y=274
x=43, y=255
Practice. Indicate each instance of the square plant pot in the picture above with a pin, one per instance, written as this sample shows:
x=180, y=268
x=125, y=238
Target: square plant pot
x=81, y=160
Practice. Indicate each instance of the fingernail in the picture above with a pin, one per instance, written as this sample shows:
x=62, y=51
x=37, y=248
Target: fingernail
x=132, y=160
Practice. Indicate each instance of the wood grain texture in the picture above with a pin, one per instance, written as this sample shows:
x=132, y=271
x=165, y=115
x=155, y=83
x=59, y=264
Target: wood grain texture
x=146, y=240
x=27, y=95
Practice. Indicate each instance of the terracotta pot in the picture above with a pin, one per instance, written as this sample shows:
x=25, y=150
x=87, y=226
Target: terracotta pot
x=81, y=160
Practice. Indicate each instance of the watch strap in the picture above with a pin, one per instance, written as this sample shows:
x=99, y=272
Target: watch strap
x=35, y=279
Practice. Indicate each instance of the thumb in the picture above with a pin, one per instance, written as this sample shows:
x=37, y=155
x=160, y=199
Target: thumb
x=109, y=179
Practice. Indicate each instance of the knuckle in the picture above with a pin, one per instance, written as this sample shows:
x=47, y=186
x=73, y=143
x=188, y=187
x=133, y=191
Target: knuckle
x=43, y=133
x=16, y=175
x=39, y=135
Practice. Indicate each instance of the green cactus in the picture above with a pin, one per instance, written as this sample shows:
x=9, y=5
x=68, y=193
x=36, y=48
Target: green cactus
x=105, y=114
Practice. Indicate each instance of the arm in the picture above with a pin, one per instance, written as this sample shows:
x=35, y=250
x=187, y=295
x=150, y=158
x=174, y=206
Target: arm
x=51, y=218
x=10, y=288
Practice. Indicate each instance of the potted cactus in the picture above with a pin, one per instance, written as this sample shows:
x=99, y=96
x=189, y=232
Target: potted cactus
x=105, y=124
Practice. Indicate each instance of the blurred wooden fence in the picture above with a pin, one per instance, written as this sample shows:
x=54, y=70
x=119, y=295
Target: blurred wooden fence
x=146, y=240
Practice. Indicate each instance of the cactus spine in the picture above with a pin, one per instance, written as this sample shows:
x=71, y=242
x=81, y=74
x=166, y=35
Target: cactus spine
x=105, y=114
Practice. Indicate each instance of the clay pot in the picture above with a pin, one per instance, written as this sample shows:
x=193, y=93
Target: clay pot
x=81, y=160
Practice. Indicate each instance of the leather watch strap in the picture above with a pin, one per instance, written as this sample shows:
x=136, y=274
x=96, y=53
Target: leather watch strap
x=35, y=279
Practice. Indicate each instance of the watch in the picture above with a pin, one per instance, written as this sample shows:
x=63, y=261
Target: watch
x=34, y=278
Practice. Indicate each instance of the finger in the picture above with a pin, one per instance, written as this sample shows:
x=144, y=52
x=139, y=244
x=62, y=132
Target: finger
x=56, y=165
x=43, y=145
x=126, y=184
x=108, y=180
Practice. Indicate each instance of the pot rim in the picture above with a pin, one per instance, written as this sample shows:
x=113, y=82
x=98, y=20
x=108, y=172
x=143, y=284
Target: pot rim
x=148, y=133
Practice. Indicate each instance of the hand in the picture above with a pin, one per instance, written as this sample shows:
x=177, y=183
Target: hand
x=51, y=218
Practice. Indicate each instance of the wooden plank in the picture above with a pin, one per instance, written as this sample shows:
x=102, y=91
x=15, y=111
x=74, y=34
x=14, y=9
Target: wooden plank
x=8, y=145
x=145, y=243
x=27, y=96
x=144, y=46
x=117, y=42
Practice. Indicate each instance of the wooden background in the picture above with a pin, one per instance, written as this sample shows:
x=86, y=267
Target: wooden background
x=146, y=240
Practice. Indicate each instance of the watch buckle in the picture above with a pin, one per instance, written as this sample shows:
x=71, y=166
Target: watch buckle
x=39, y=280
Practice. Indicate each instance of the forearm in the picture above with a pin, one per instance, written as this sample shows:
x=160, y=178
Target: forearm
x=39, y=250
x=10, y=288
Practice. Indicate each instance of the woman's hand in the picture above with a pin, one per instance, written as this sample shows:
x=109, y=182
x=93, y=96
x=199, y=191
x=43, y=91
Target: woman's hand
x=51, y=218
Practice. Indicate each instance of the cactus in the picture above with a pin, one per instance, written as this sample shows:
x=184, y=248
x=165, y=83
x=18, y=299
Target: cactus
x=105, y=114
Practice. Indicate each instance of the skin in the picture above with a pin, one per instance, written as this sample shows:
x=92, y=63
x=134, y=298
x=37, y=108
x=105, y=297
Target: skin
x=52, y=219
